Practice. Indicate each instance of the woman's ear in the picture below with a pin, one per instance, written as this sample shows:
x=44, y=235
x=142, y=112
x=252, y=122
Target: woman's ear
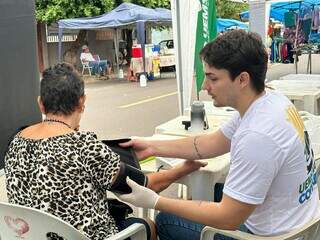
x=41, y=106
x=82, y=101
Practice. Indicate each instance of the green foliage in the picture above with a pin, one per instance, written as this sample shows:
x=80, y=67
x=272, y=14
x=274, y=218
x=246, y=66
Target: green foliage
x=228, y=9
x=152, y=3
x=53, y=10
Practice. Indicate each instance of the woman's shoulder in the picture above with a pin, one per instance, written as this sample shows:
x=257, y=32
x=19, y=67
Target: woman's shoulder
x=86, y=136
x=89, y=141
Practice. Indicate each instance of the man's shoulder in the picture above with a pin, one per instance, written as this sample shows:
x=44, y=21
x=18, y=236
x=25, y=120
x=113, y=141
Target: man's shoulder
x=264, y=122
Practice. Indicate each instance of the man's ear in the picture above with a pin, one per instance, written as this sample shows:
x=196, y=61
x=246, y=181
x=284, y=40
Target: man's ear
x=41, y=106
x=244, y=79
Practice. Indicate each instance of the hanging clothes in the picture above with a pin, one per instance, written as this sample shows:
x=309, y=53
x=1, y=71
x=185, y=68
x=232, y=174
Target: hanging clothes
x=306, y=28
x=305, y=12
x=281, y=51
x=290, y=19
x=290, y=52
x=316, y=18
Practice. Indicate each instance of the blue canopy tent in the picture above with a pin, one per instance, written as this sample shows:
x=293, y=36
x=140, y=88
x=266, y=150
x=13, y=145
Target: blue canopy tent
x=224, y=24
x=125, y=15
x=278, y=9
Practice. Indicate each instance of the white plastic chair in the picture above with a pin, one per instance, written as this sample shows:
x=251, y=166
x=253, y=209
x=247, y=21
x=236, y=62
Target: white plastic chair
x=3, y=191
x=85, y=65
x=310, y=231
x=19, y=222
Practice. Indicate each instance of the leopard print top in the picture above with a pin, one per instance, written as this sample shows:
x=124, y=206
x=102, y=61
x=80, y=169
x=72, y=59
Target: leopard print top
x=67, y=176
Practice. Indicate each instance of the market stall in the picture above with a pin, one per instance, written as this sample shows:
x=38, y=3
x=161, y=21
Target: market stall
x=297, y=31
x=126, y=15
x=138, y=66
x=224, y=24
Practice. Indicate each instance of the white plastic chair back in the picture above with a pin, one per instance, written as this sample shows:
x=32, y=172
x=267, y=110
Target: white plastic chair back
x=312, y=124
x=19, y=222
x=310, y=231
x=3, y=190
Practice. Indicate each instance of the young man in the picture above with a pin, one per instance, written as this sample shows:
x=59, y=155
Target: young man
x=271, y=186
x=98, y=66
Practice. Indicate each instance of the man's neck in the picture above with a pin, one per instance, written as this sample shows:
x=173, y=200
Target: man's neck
x=246, y=101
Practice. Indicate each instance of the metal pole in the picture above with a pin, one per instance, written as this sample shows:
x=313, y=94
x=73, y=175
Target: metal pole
x=179, y=52
x=60, y=43
x=116, y=47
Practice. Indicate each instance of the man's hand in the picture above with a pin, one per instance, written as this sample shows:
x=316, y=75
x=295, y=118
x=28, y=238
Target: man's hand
x=140, y=196
x=142, y=148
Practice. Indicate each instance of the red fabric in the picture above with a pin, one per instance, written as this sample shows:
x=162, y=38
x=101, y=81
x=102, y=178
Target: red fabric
x=270, y=30
x=284, y=51
x=136, y=52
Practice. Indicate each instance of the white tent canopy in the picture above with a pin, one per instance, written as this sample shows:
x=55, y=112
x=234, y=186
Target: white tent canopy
x=184, y=23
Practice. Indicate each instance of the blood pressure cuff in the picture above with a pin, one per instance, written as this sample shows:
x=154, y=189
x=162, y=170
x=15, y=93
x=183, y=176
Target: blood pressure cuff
x=120, y=184
x=127, y=155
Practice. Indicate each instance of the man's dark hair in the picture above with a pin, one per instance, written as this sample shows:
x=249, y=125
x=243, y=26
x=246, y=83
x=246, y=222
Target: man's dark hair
x=238, y=51
x=60, y=89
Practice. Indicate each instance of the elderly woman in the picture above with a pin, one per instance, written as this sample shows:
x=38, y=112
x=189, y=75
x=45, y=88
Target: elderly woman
x=55, y=168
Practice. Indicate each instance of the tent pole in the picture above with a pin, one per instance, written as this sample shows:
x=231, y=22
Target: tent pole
x=60, y=43
x=140, y=26
x=179, y=57
x=116, y=46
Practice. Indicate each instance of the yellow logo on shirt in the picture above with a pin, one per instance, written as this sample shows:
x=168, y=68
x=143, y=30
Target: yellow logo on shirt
x=306, y=188
x=297, y=122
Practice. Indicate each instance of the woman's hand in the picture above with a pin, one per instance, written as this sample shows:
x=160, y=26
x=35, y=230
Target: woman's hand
x=158, y=181
x=190, y=166
x=143, y=149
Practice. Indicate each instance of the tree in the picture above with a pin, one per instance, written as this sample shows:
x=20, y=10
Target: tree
x=48, y=11
x=229, y=9
x=153, y=3
x=52, y=10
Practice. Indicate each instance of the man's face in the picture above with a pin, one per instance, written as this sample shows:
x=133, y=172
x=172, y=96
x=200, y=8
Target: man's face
x=86, y=50
x=220, y=86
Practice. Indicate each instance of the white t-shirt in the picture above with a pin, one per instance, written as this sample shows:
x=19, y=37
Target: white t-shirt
x=87, y=57
x=272, y=166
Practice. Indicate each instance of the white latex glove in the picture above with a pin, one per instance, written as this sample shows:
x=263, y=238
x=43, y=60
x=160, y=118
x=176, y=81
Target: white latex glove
x=140, y=196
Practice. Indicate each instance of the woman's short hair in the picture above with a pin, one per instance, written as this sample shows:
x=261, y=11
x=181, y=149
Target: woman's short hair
x=60, y=89
x=239, y=51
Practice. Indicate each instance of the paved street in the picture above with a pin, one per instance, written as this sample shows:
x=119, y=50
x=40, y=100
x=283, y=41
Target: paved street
x=118, y=108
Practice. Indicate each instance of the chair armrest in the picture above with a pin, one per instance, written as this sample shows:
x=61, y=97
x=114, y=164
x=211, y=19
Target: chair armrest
x=209, y=232
x=136, y=231
x=308, y=231
x=84, y=62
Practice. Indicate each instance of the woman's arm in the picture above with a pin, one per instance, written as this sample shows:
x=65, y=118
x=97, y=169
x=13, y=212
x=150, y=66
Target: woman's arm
x=159, y=181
